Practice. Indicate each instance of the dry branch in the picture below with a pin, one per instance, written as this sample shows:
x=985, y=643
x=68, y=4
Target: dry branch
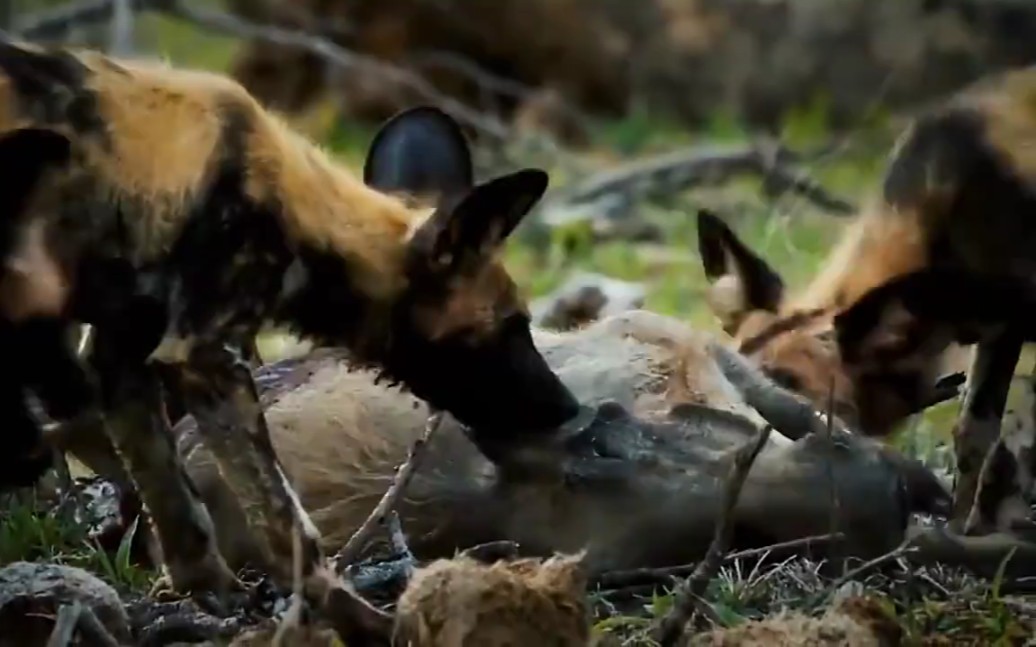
x=492, y=551
x=76, y=616
x=65, y=625
x=121, y=36
x=399, y=545
x=55, y=23
x=639, y=576
x=667, y=630
x=352, y=548
x=899, y=551
x=677, y=171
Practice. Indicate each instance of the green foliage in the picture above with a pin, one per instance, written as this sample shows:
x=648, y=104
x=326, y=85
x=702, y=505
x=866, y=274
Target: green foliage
x=31, y=530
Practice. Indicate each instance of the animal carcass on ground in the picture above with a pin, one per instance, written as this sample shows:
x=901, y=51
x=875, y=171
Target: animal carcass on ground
x=640, y=485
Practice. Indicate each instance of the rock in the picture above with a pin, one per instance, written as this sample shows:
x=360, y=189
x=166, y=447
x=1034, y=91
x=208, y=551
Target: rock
x=586, y=297
x=31, y=594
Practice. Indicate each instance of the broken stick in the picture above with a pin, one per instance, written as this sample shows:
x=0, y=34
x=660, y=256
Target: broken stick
x=352, y=548
x=667, y=630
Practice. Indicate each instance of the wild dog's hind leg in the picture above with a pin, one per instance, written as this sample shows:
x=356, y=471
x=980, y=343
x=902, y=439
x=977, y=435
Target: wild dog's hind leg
x=131, y=400
x=978, y=424
x=218, y=390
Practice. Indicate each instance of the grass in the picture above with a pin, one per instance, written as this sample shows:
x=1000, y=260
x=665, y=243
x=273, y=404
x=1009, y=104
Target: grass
x=35, y=530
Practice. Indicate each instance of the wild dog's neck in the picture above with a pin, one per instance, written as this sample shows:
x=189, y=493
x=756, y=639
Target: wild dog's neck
x=883, y=243
x=350, y=241
x=326, y=209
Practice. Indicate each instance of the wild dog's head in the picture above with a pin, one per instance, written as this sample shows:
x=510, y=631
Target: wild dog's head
x=917, y=315
x=460, y=333
x=797, y=348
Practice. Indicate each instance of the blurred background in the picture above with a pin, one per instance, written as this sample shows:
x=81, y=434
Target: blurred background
x=777, y=114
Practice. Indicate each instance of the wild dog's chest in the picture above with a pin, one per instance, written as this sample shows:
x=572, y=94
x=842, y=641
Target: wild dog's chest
x=225, y=273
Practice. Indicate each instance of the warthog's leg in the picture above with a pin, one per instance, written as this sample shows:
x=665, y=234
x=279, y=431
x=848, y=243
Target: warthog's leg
x=978, y=425
x=131, y=400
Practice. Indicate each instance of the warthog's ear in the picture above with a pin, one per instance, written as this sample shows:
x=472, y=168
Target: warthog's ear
x=471, y=229
x=740, y=281
x=420, y=151
x=926, y=310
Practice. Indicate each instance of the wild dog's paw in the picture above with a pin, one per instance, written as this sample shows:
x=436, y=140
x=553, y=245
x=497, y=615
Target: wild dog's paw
x=199, y=578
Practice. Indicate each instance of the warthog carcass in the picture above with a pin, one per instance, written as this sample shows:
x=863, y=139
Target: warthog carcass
x=640, y=485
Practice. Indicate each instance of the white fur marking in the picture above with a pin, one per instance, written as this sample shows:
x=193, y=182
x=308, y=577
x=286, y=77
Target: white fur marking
x=32, y=284
x=172, y=350
x=726, y=296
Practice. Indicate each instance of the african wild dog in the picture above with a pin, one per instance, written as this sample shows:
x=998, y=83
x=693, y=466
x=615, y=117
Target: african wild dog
x=945, y=256
x=791, y=339
x=179, y=216
x=962, y=178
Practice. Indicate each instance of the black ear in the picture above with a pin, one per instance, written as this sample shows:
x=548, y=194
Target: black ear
x=911, y=311
x=740, y=280
x=473, y=227
x=419, y=151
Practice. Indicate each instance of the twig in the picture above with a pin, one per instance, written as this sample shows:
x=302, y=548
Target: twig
x=829, y=467
x=489, y=80
x=75, y=615
x=90, y=626
x=492, y=551
x=293, y=616
x=779, y=178
x=679, y=170
x=902, y=549
x=187, y=626
x=351, y=550
x=637, y=576
x=667, y=630
x=399, y=545
x=65, y=624
x=121, y=36
x=56, y=22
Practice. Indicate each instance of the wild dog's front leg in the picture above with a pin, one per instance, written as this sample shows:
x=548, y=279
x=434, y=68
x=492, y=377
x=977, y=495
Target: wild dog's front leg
x=219, y=392
x=131, y=401
x=978, y=424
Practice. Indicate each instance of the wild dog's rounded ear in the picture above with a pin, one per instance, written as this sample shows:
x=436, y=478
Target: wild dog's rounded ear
x=478, y=223
x=740, y=280
x=419, y=151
